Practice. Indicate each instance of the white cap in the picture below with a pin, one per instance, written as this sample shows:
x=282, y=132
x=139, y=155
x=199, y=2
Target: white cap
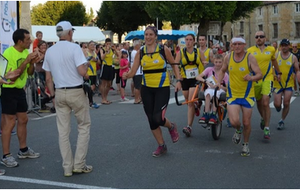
x=64, y=25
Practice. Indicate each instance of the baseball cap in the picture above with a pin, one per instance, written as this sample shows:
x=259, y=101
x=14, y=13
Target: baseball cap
x=285, y=41
x=124, y=52
x=64, y=25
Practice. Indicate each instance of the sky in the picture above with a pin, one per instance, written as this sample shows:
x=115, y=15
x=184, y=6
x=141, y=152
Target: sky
x=95, y=4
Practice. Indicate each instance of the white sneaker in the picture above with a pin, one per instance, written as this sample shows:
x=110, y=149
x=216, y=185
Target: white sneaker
x=245, y=150
x=124, y=99
x=9, y=161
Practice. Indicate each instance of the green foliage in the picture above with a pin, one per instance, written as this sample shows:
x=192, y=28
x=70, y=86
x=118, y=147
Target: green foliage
x=51, y=12
x=122, y=16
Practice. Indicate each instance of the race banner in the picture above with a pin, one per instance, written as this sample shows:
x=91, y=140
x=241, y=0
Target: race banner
x=9, y=23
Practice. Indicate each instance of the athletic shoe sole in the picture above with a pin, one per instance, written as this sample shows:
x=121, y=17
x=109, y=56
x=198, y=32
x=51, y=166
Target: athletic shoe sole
x=9, y=166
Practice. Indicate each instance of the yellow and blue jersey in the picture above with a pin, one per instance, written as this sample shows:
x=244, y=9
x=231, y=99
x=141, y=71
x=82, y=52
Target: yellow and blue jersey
x=186, y=67
x=92, y=70
x=154, y=69
x=286, y=66
x=108, y=60
x=264, y=60
x=237, y=86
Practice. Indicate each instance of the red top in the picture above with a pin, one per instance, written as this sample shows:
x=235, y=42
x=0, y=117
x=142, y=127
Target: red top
x=35, y=44
x=123, y=63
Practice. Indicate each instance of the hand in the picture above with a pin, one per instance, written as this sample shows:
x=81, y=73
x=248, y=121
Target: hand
x=12, y=74
x=248, y=78
x=86, y=76
x=278, y=78
x=178, y=86
x=5, y=82
x=125, y=76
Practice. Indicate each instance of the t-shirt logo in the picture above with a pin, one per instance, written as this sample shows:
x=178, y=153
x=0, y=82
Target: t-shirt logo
x=242, y=69
x=254, y=53
x=268, y=53
x=288, y=63
x=279, y=62
x=155, y=61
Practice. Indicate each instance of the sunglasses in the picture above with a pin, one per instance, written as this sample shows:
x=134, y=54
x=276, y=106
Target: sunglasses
x=260, y=36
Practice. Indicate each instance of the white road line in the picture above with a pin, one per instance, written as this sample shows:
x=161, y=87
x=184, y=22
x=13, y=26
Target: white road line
x=171, y=101
x=51, y=183
x=272, y=103
x=39, y=118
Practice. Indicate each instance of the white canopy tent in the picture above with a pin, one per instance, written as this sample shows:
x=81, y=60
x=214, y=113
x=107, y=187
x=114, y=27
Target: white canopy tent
x=81, y=33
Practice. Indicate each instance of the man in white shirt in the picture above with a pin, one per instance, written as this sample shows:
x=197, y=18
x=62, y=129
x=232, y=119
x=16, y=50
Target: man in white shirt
x=137, y=79
x=66, y=64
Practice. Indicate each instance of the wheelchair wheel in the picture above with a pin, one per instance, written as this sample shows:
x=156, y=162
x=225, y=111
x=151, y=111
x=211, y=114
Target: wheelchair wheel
x=216, y=130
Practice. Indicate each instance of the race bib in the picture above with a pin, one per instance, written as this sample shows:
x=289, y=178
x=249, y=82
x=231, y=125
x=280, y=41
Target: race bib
x=191, y=73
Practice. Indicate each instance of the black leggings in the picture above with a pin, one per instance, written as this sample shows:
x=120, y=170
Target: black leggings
x=155, y=101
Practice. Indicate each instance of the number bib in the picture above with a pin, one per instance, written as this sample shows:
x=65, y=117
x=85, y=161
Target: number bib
x=191, y=73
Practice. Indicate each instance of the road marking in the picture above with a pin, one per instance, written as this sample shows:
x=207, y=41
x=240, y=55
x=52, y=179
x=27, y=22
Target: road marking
x=51, y=183
x=272, y=103
x=171, y=101
x=39, y=118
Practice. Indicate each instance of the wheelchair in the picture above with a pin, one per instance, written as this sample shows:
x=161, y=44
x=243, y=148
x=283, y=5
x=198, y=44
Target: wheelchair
x=216, y=129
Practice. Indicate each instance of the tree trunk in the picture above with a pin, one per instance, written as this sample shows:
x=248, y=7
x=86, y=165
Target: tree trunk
x=203, y=27
x=119, y=37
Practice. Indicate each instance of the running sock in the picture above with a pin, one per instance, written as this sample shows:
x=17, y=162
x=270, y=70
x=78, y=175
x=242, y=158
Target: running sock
x=24, y=149
x=161, y=144
x=267, y=128
x=4, y=156
x=189, y=126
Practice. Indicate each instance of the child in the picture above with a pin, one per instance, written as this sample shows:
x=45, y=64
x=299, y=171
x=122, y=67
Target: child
x=211, y=74
x=39, y=36
x=124, y=68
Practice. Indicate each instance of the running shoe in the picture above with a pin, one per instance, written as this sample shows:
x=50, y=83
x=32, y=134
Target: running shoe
x=174, y=133
x=94, y=105
x=28, y=154
x=187, y=131
x=124, y=99
x=266, y=133
x=236, y=139
x=296, y=93
x=262, y=124
x=280, y=125
x=84, y=169
x=213, y=119
x=245, y=150
x=160, y=151
x=204, y=118
x=9, y=161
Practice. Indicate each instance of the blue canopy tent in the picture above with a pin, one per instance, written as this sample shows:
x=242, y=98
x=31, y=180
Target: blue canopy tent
x=162, y=34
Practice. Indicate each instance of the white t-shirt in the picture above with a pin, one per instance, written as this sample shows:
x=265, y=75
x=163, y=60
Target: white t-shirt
x=140, y=70
x=62, y=60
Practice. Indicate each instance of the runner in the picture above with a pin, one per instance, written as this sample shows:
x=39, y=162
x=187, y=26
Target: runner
x=207, y=58
x=155, y=89
x=191, y=66
x=240, y=94
x=296, y=52
x=288, y=64
x=265, y=56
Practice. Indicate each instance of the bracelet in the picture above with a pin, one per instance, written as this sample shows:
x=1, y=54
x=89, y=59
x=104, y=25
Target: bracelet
x=280, y=73
x=177, y=80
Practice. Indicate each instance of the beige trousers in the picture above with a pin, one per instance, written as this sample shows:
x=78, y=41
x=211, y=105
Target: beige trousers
x=67, y=100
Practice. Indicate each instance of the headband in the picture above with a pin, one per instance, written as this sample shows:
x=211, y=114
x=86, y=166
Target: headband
x=238, y=39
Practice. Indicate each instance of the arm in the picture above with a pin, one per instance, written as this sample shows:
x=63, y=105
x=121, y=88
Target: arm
x=275, y=65
x=255, y=68
x=82, y=69
x=200, y=77
x=223, y=70
x=296, y=67
x=49, y=83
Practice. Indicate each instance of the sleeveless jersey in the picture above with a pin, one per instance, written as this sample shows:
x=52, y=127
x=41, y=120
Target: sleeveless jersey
x=237, y=86
x=154, y=61
x=190, y=70
x=92, y=70
x=264, y=60
x=108, y=60
x=286, y=66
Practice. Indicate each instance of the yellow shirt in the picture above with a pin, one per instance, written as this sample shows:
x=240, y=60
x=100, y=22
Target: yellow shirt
x=108, y=60
x=15, y=59
x=154, y=62
x=190, y=70
x=264, y=59
x=286, y=66
x=92, y=70
x=237, y=86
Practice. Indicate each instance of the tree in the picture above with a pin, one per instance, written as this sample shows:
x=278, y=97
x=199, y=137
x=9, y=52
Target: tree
x=51, y=12
x=202, y=12
x=122, y=16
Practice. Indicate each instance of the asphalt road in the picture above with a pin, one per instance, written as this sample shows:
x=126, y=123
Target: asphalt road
x=121, y=146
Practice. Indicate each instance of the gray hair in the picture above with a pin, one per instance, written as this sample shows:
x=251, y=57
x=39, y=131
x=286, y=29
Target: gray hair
x=136, y=42
x=62, y=33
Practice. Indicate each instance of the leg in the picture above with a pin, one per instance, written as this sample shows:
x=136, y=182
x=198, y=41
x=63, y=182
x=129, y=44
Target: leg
x=234, y=115
x=22, y=128
x=286, y=103
x=247, y=113
x=8, y=123
x=277, y=100
x=266, y=109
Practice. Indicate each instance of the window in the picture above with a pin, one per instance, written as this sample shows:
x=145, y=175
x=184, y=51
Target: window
x=260, y=11
x=260, y=27
x=242, y=27
x=275, y=9
x=297, y=24
x=275, y=30
x=297, y=7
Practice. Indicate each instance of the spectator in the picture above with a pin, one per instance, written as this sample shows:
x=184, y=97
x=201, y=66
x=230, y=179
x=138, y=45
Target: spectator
x=66, y=64
x=14, y=104
x=39, y=37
